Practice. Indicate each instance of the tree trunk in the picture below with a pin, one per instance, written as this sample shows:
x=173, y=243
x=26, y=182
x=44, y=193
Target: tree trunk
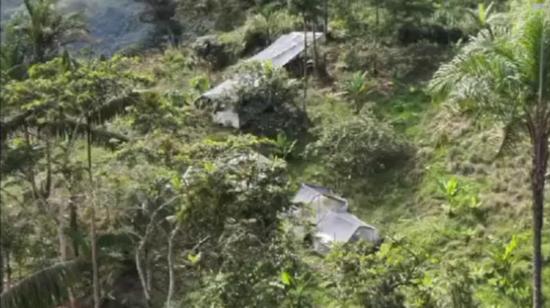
x=142, y=262
x=171, y=277
x=63, y=250
x=315, y=57
x=148, y=270
x=305, y=63
x=8, y=270
x=540, y=161
x=63, y=255
x=325, y=17
x=31, y=176
x=48, y=187
x=378, y=17
x=95, y=270
x=377, y=38
x=1, y=269
x=142, y=278
x=73, y=225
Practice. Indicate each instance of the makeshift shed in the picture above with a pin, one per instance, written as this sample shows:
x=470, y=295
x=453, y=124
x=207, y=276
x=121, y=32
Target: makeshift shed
x=286, y=48
x=343, y=228
x=317, y=201
x=223, y=97
x=330, y=215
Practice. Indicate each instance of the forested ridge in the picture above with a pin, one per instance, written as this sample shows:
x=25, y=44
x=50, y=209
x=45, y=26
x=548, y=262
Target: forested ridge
x=147, y=162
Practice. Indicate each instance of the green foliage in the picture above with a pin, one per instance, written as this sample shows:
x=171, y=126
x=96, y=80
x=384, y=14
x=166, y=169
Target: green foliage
x=284, y=147
x=267, y=26
x=258, y=273
x=220, y=50
x=266, y=101
x=360, y=276
x=221, y=195
x=150, y=111
x=14, y=51
x=357, y=88
x=460, y=202
x=500, y=75
x=200, y=83
x=45, y=29
x=484, y=16
x=236, y=186
x=506, y=272
x=175, y=62
x=65, y=91
x=403, y=12
x=359, y=147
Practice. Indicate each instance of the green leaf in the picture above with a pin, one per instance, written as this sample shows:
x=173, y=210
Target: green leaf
x=209, y=167
x=194, y=259
x=286, y=278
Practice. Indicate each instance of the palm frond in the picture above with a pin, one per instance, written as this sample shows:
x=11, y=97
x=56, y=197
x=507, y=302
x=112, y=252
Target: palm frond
x=498, y=73
x=114, y=107
x=46, y=288
x=68, y=126
x=530, y=39
x=13, y=124
x=486, y=73
x=105, y=112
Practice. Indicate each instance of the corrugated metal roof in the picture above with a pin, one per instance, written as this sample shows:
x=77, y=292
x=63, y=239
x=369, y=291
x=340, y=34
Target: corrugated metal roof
x=285, y=48
x=340, y=227
x=330, y=215
x=309, y=192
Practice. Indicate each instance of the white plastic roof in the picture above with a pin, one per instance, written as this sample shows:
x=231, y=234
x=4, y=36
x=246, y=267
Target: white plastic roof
x=285, y=48
x=340, y=227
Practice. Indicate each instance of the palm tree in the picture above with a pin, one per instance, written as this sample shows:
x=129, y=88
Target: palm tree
x=356, y=88
x=94, y=92
x=47, y=29
x=483, y=17
x=502, y=75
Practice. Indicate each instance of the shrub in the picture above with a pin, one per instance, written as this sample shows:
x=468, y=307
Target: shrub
x=237, y=185
x=418, y=59
x=358, y=87
x=152, y=111
x=258, y=31
x=266, y=101
x=358, y=147
x=264, y=28
x=220, y=50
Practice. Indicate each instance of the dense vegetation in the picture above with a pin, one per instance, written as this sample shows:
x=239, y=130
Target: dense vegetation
x=430, y=117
